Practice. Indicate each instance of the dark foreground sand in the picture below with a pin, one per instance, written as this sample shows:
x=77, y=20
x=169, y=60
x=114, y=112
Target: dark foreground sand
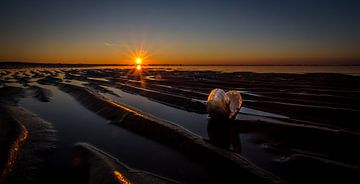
x=295, y=128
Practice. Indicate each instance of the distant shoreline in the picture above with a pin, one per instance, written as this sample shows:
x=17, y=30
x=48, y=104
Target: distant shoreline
x=11, y=64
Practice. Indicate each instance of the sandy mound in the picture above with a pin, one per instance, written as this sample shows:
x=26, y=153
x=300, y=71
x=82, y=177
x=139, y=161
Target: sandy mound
x=105, y=169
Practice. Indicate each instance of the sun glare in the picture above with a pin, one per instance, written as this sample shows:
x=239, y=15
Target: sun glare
x=138, y=60
x=139, y=56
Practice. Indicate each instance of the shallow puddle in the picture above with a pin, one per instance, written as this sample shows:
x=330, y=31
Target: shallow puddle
x=195, y=122
x=192, y=121
x=75, y=82
x=199, y=123
x=14, y=84
x=74, y=123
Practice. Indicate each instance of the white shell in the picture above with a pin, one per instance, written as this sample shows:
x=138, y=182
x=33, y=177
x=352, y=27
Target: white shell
x=225, y=105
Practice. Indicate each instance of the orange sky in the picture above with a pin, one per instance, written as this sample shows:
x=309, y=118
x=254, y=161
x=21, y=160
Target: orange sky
x=186, y=32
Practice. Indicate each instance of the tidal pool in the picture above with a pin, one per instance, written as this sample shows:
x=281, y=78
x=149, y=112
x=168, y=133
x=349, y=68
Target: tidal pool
x=199, y=123
x=74, y=123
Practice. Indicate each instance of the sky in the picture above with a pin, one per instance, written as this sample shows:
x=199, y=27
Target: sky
x=181, y=31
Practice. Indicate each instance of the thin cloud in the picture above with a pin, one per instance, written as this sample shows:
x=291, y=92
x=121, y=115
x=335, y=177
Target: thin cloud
x=109, y=44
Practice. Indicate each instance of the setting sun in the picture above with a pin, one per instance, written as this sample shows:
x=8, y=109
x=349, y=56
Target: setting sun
x=138, y=57
x=138, y=60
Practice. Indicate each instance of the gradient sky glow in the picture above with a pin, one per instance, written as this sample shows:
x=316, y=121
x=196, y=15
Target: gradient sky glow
x=181, y=31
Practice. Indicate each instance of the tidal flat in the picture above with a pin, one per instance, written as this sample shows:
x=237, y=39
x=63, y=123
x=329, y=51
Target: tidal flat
x=117, y=124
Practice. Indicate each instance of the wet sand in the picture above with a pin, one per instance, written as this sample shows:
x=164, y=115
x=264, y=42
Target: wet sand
x=291, y=126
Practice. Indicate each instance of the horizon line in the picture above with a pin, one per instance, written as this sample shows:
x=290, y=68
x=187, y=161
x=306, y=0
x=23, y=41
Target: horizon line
x=179, y=64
